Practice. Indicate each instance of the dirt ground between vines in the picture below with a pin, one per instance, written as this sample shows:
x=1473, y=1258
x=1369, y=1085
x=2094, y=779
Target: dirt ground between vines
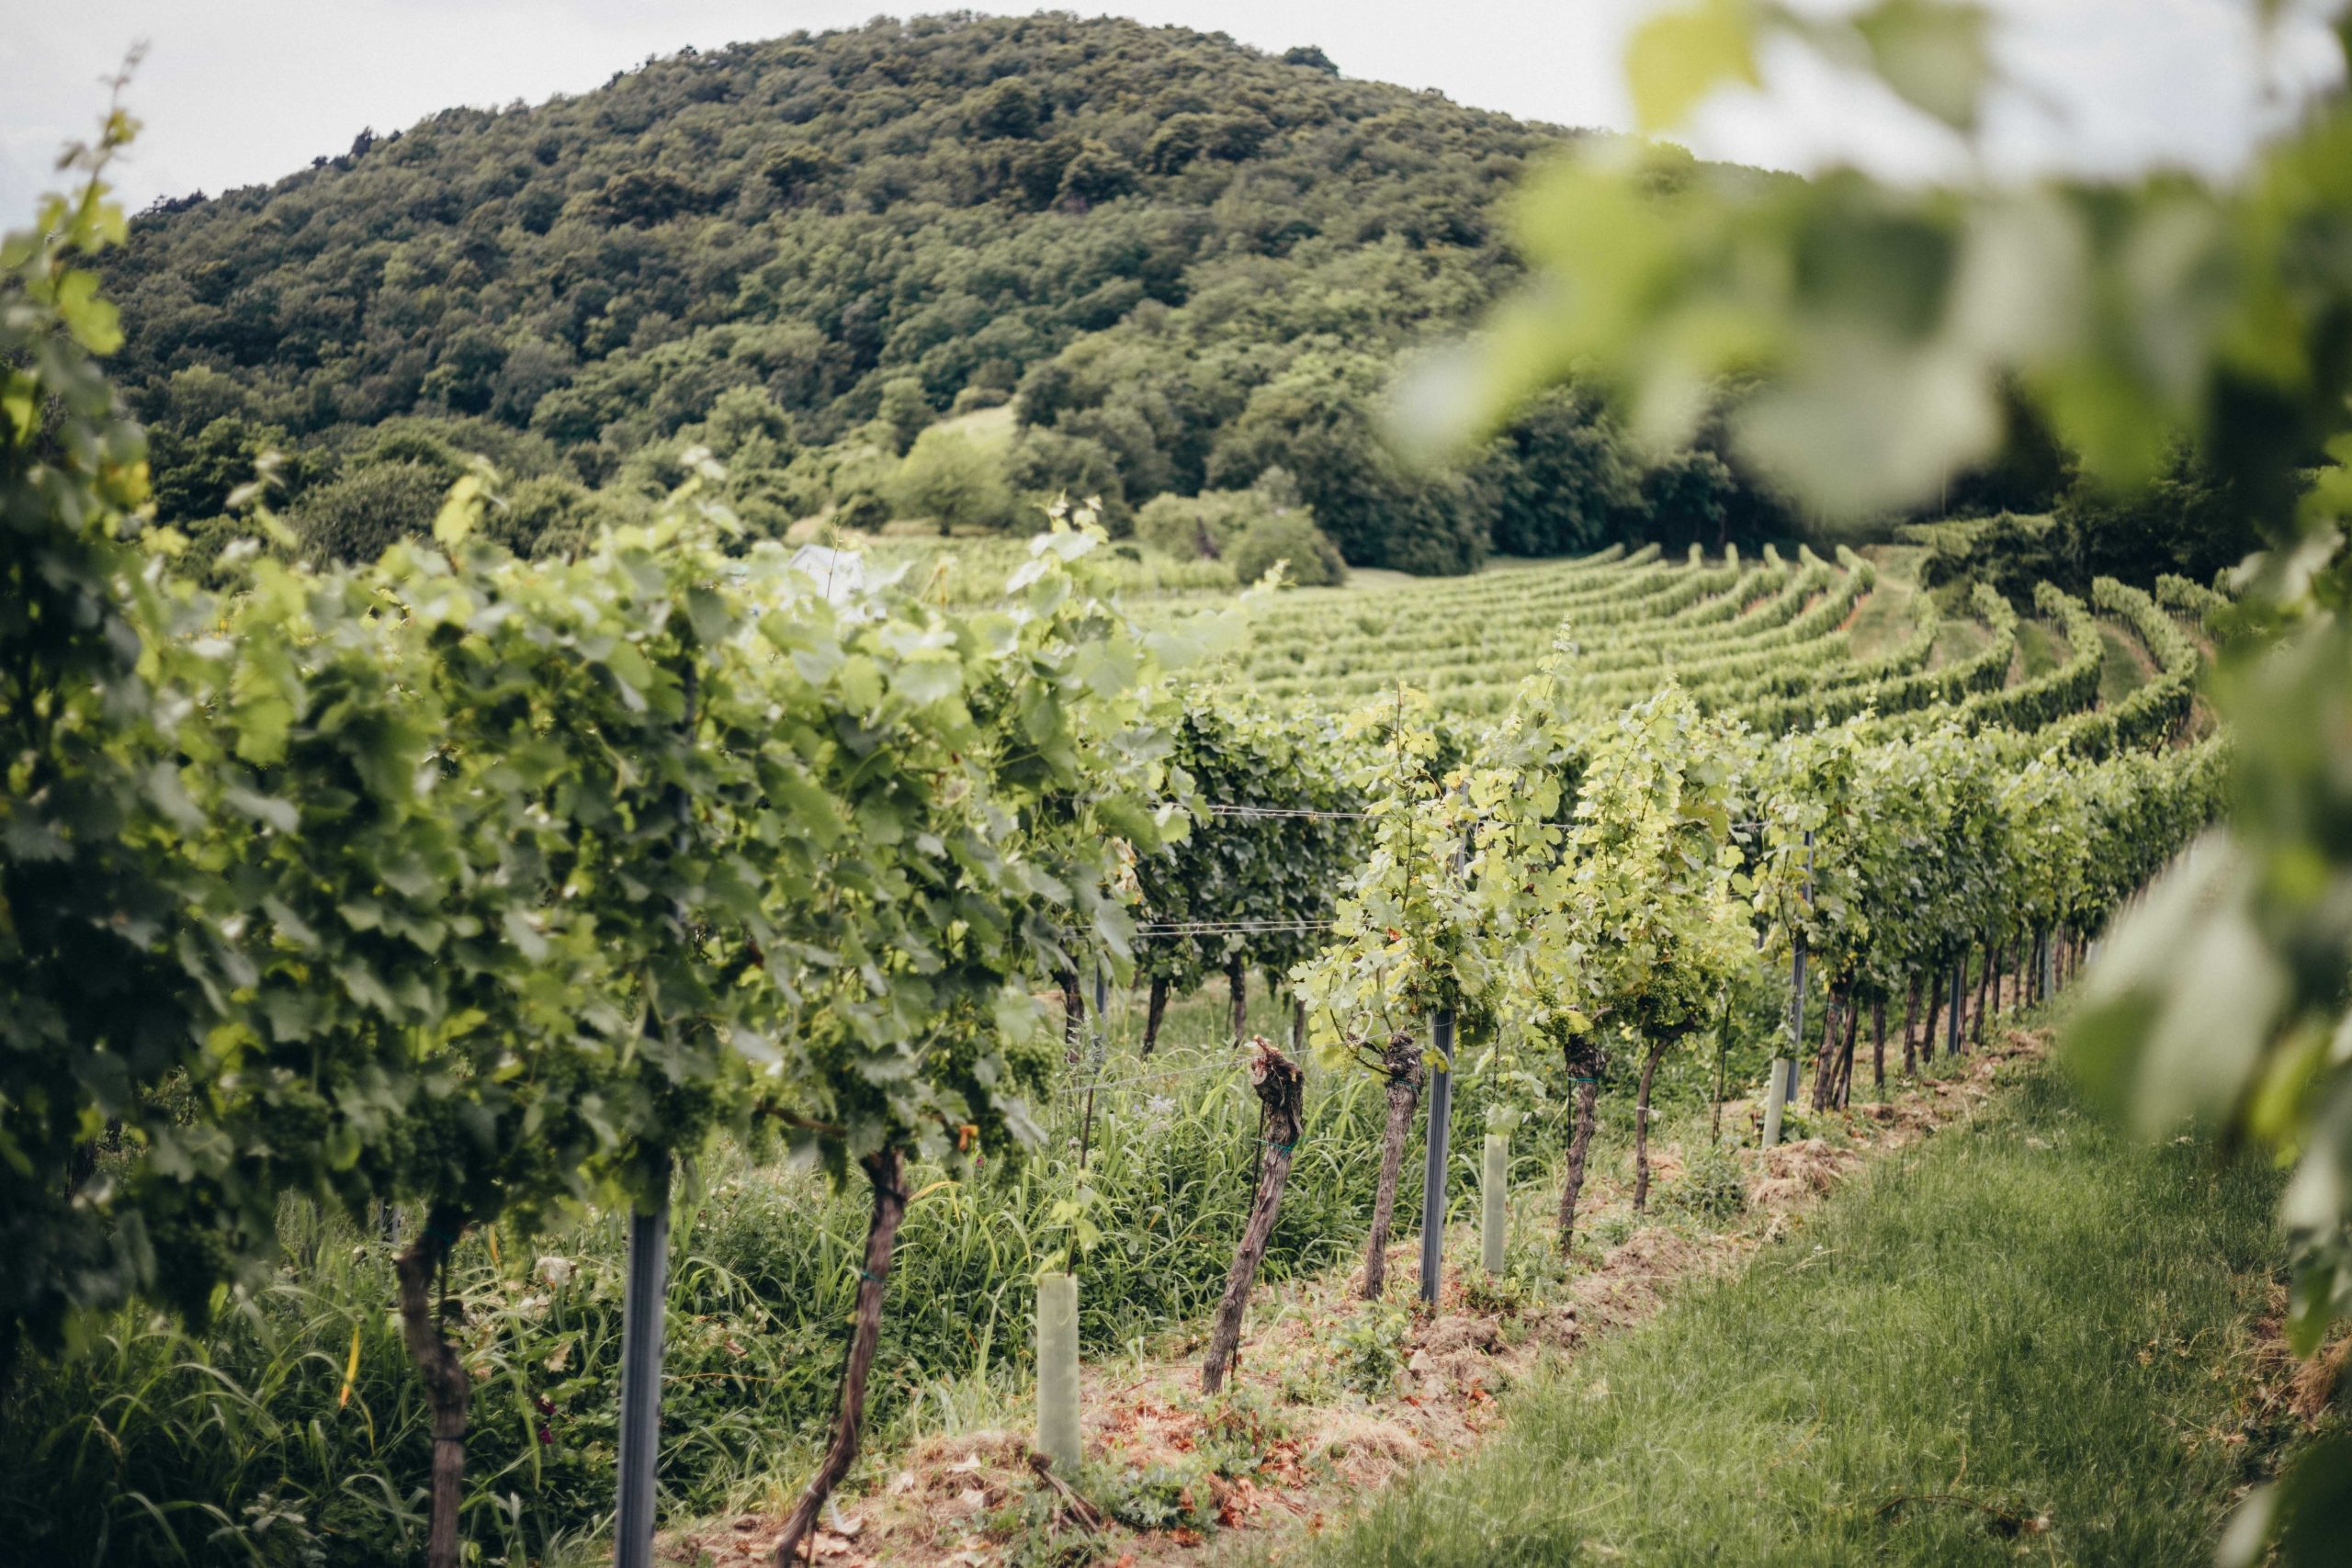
x=1318, y=1444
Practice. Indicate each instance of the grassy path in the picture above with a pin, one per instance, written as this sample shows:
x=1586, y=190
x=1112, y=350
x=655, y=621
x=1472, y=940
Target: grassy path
x=2026, y=1340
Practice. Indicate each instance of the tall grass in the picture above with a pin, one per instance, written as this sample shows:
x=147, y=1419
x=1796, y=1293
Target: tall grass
x=2014, y=1343
x=234, y=1446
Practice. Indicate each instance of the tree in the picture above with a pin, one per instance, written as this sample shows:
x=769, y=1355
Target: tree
x=1095, y=174
x=1687, y=499
x=905, y=410
x=945, y=478
x=359, y=516
x=1180, y=139
x=1563, y=476
x=1048, y=463
x=1008, y=108
x=194, y=477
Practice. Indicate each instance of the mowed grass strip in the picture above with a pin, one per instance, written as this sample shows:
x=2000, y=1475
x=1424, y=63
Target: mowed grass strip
x=2013, y=1342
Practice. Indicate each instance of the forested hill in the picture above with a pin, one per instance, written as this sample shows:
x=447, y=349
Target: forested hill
x=1186, y=263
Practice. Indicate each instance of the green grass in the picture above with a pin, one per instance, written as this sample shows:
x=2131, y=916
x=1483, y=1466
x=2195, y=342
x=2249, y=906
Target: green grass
x=1883, y=623
x=2040, y=650
x=2029, y=1319
x=1957, y=642
x=2121, y=673
x=988, y=429
x=231, y=1445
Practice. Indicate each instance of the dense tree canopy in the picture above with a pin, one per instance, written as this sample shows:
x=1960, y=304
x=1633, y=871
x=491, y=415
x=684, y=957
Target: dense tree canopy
x=1183, y=261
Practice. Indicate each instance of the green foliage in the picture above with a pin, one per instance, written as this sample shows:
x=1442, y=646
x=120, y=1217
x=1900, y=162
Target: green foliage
x=1161, y=1495
x=1195, y=261
x=197, y=476
x=492, y=887
x=1713, y=1187
x=1568, y=480
x=903, y=412
x=1498, y=1295
x=880, y=217
x=1210, y=525
x=946, y=479
x=1293, y=541
x=1237, y=1430
x=1893, y=336
x=107, y=952
x=1370, y=1347
x=2184, y=521
x=1271, y=880
x=360, y=515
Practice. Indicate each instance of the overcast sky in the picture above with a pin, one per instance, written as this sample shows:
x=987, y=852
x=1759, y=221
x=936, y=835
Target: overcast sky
x=235, y=92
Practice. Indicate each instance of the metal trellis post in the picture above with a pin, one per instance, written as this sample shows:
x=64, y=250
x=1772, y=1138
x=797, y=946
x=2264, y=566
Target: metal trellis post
x=640, y=1434
x=1440, y=1128
x=1433, y=1181
x=1783, y=1082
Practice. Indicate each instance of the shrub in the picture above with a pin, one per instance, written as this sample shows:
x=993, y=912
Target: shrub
x=1217, y=525
x=1289, y=536
x=1372, y=1347
x=1713, y=1186
x=1193, y=527
x=1237, y=1430
x=1159, y=1497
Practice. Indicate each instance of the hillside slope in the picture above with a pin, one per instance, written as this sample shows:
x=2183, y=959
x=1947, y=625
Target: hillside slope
x=1186, y=262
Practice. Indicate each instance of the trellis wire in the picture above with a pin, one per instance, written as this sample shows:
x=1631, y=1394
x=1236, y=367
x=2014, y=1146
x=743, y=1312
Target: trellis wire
x=1226, y=928
x=1303, y=813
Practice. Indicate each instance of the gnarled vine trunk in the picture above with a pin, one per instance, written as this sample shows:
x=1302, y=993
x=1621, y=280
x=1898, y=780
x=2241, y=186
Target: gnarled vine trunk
x=1657, y=1050
x=1402, y=1062
x=1844, y=1085
x=1154, y=1010
x=1584, y=1070
x=448, y=1393
x=1878, y=1045
x=885, y=1173
x=1935, y=1011
x=1825, y=1060
x=1983, y=983
x=1723, y=1052
x=1282, y=1092
x=1236, y=980
x=1910, y=1021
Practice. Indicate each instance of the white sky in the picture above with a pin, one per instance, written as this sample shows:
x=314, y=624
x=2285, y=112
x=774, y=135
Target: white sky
x=236, y=92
